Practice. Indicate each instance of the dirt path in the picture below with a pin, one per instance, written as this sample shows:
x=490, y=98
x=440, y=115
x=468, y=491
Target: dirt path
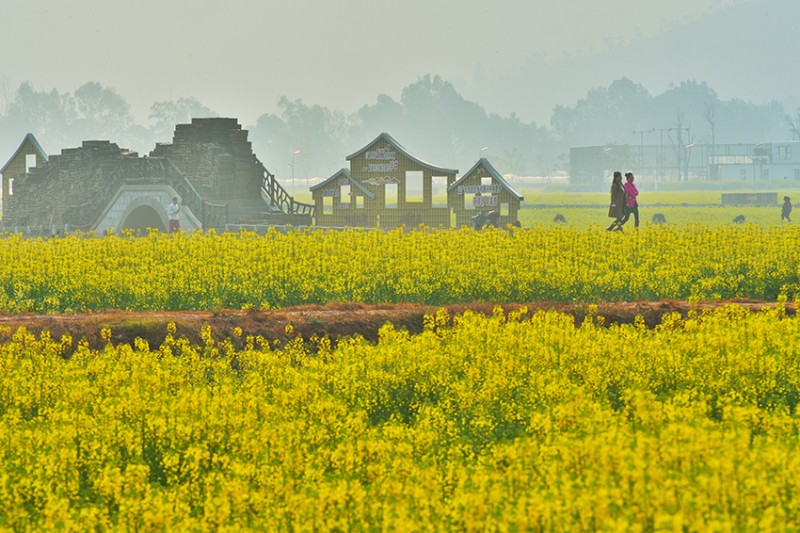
x=333, y=320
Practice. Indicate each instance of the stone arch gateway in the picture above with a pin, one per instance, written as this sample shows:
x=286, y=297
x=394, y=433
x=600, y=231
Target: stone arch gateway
x=135, y=205
x=142, y=219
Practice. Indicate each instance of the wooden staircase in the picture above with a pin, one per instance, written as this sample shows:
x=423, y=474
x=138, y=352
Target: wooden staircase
x=281, y=201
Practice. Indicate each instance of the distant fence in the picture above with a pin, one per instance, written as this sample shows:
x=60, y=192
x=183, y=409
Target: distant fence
x=750, y=198
x=61, y=231
x=46, y=230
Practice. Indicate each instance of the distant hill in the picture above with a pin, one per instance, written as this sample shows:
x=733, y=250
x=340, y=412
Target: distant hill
x=746, y=52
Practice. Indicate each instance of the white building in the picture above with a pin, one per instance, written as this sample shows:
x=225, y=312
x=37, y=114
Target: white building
x=777, y=160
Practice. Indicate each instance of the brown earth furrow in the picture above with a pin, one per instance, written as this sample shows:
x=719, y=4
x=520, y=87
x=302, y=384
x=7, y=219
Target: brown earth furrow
x=335, y=320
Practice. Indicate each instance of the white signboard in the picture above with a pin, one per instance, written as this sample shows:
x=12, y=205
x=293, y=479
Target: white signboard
x=381, y=154
x=382, y=168
x=388, y=157
x=381, y=180
x=479, y=189
x=485, y=201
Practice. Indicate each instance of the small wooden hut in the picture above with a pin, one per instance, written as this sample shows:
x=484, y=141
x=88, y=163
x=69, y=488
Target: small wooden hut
x=29, y=155
x=386, y=187
x=342, y=201
x=482, y=188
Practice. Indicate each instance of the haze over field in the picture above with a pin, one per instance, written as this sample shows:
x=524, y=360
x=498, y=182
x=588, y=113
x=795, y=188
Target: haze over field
x=240, y=57
x=530, y=79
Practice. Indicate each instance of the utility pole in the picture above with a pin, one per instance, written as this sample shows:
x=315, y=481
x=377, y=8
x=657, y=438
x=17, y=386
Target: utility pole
x=641, y=149
x=294, y=154
x=660, y=155
x=711, y=118
x=682, y=153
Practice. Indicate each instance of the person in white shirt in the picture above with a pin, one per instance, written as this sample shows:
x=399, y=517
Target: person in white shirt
x=173, y=211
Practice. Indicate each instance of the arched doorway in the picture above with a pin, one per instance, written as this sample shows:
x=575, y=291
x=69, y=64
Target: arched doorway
x=141, y=218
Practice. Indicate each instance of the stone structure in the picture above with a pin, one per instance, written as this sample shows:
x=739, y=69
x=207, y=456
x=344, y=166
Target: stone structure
x=216, y=157
x=209, y=166
x=141, y=207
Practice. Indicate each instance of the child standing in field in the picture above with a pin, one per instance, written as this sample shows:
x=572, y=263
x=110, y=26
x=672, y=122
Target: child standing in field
x=786, y=210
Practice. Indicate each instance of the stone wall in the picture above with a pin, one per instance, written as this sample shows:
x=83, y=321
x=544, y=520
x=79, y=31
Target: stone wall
x=74, y=177
x=216, y=157
x=213, y=154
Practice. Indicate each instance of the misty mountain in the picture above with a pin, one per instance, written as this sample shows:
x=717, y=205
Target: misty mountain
x=744, y=52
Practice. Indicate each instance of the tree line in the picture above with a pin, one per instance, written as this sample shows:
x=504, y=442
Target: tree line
x=430, y=118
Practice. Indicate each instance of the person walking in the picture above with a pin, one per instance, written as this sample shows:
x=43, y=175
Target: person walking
x=617, y=208
x=786, y=209
x=631, y=202
x=173, y=213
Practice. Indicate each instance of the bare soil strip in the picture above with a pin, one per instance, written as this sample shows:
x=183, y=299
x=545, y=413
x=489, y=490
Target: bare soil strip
x=334, y=320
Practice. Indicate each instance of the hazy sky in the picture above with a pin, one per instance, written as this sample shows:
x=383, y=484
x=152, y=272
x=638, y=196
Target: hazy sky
x=239, y=56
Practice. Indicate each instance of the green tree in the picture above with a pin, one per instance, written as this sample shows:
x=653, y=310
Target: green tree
x=45, y=114
x=271, y=141
x=321, y=135
x=605, y=116
x=97, y=112
x=166, y=114
x=386, y=115
x=63, y=120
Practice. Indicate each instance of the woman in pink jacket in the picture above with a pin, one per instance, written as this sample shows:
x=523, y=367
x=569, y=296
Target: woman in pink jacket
x=631, y=205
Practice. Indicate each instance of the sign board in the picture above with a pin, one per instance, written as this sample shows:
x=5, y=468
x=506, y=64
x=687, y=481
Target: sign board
x=388, y=160
x=479, y=189
x=485, y=201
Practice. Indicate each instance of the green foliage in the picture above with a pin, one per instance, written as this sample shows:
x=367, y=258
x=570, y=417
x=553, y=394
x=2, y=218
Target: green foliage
x=548, y=262
x=509, y=422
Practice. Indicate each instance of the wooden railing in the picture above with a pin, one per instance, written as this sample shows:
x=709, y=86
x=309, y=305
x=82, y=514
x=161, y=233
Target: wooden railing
x=210, y=214
x=279, y=196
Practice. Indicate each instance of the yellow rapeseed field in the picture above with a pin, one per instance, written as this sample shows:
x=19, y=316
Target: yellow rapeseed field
x=498, y=423
x=494, y=424
x=211, y=271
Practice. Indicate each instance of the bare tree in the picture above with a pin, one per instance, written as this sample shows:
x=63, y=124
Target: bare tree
x=5, y=96
x=711, y=117
x=794, y=124
x=682, y=145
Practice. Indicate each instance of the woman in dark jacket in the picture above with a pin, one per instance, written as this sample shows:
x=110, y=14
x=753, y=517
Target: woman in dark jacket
x=617, y=208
